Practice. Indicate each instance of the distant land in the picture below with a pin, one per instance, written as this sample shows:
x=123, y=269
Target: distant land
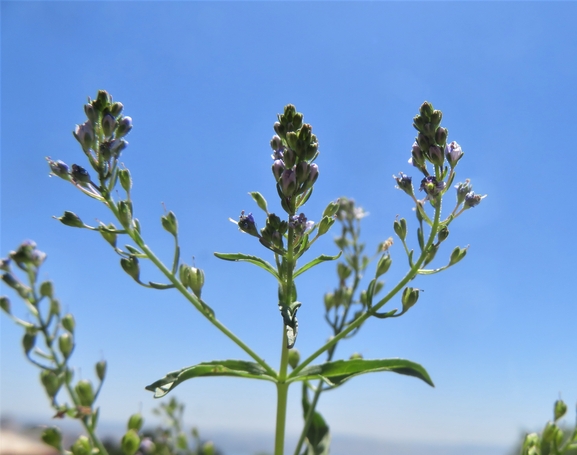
x=255, y=443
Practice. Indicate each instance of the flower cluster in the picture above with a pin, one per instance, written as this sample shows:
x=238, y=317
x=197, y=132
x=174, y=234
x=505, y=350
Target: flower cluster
x=294, y=150
x=102, y=140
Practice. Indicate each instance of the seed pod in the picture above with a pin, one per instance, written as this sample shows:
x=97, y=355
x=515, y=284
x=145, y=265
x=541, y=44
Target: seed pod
x=68, y=322
x=66, y=344
x=53, y=437
x=85, y=392
x=130, y=442
x=101, y=370
x=82, y=446
x=135, y=422
x=51, y=382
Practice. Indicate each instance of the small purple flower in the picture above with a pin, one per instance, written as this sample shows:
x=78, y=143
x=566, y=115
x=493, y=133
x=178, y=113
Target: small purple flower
x=79, y=174
x=300, y=224
x=405, y=183
x=124, y=127
x=246, y=224
x=430, y=185
x=278, y=154
x=462, y=190
x=59, y=169
x=117, y=146
x=472, y=200
x=453, y=153
x=85, y=134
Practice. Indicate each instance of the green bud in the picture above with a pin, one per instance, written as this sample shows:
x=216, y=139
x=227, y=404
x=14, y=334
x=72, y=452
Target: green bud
x=331, y=209
x=116, y=108
x=329, y=300
x=82, y=446
x=384, y=265
x=125, y=212
x=130, y=266
x=110, y=237
x=549, y=432
x=66, y=344
x=108, y=124
x=457, y=255
x=436, y=118
x=135, y=422
x=71, y=219
x=443, y=234
x=54, y=307
x=29, y=340
x=22, y=290
x=431, y=254
x=101, y=370
x=125, y=179
x=130, y=442
x=400, y=227
x=409, y=298
x=325, y=225
x=90, y=113
x=51, y=382
x=344, y=271
x=85, y=392
x=53, y=437
x=47, y=289
x=426, y=110
x=441, y=136
x=559, y=410
x=196, y=280
x=294, y=358
x=292, y=138
x=169, y=223
x=5, y=304
x=208, y=448
x=297, y=120
x=68, y=322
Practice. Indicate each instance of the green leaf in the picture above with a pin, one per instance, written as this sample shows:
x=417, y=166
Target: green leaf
x=316, y=261
x=337, y=372
x=318, y=437
x=248, y=258
x=160, y=286
x=237, y=368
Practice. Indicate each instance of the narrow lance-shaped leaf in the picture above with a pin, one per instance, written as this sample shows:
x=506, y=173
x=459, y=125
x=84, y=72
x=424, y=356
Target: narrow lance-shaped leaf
x=318, y=436
x=337, y=372
x=248, y=258
x=236, y=368
x=316, y=261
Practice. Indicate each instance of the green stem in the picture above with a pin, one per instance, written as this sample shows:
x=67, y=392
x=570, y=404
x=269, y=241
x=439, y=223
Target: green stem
x=189, y=296
x=408, y=277
x=282, y=395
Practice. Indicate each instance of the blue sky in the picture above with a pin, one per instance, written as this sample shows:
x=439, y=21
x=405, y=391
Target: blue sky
x=203, y=83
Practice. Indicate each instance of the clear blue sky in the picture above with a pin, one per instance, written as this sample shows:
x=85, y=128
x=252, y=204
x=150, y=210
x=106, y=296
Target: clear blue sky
x=203, y=83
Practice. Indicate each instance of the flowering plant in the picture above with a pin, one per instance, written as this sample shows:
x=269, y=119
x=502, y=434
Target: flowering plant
x=287, y=239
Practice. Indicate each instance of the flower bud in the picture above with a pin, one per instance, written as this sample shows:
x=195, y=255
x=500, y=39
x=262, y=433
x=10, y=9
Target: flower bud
x=436, y=118
x=66, y=344
x=130, y=266
x=82, y=446
x=80, y=175
x=559, y=410
x=247, y=224
x=443, y=234
x=169, y=223
x=117, y=146
x=431, y=254
x=426, y=110
x=331, y=209
x=383, y=265
x=85, y=392
x=277, y=168
x=291, y=139
x=289, y=158
x=453, y=153
x=288, y=182
x=68, y=322
x=462, y=190
x=135, y=422
x=71, y=219
x=103, y=100
x=51, y=382
x=313, y=175
x=302, y=171
x=125, y=212
x=90, y=113
x=418, y=123
x=47, y=289
x=472, y=200
x=108, y=125
x=409, y=298
x=54, y=307
x=325, y=224
x=116, y=109
x=400, y=227
x=85, y=135
x=29, y=340
x=405, y=183
x=457, y=255
x=294, y=358
x=22, y=290
x=297, y=120
x=196, y=280
x=441, y=136
x=59, y=169
x=436, y=155
x=280, y=129
x=53, y=437
x=343, y=271
x=417, y=158
x=101, y=370
x=276, y=142
x=125, y=179
x=124, y=127
x=5, y=304
x=130, y=442
x=109, y=236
